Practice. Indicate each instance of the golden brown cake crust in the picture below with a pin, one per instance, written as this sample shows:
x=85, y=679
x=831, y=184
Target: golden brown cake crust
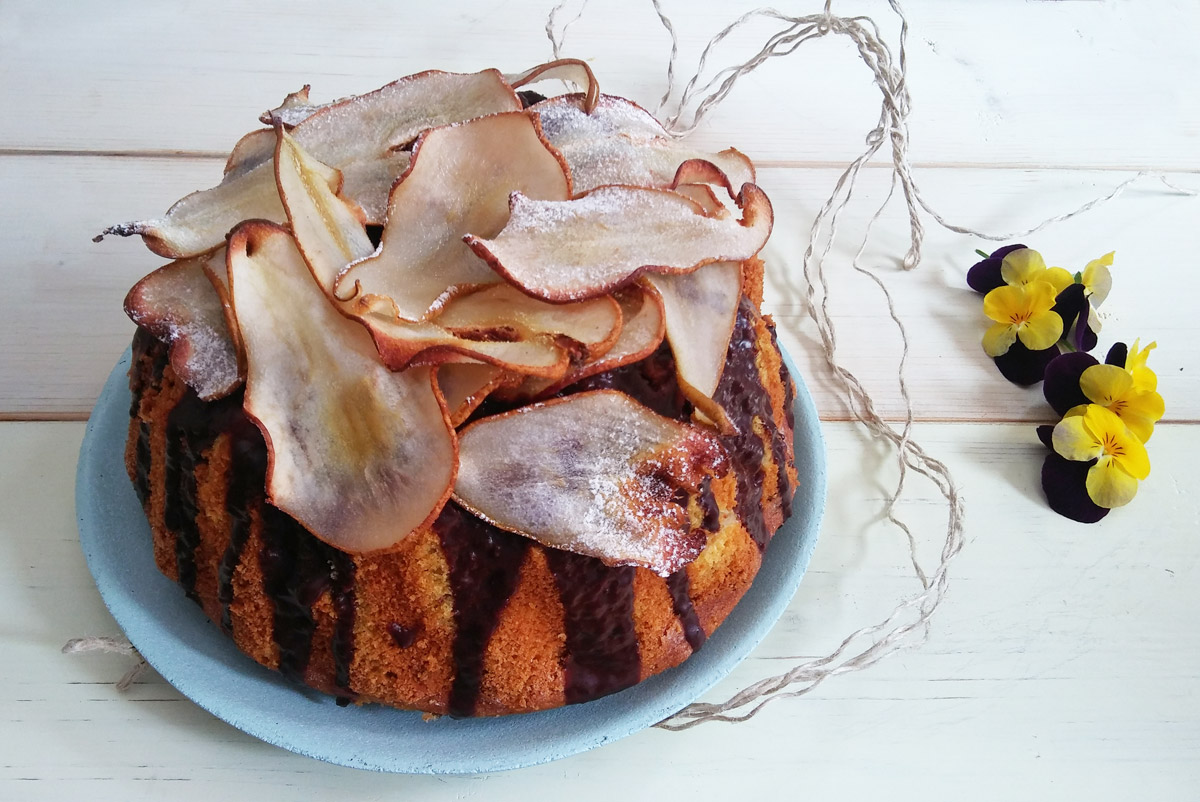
x=461, y=617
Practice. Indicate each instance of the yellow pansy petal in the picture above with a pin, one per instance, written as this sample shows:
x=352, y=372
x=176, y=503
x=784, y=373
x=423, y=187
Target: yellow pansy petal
x=1104, y=384
x=1076, y=411
x=1137, y=356
x=1022, y=266
x=1040, y=296
x=1041, y=331
x=1149, y=404
x=1097, y=278
x=1135, y=362
x=1059, y=277
x=998, y=339
x=1117, y=441
x=1144, y=380
x=1141, y=426
x=1109, y=485
x=1003, y=304
x=1073, y=441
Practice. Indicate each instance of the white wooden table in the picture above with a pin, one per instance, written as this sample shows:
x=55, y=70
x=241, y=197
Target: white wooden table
x=1063, y=663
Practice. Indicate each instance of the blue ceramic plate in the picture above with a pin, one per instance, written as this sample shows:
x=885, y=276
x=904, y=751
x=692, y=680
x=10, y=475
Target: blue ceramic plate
x=193, y=655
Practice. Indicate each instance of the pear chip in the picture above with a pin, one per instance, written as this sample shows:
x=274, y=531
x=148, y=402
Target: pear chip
x=595, y=473
x=360, y=455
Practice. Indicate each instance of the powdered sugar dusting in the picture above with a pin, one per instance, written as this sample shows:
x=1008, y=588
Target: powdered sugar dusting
x=569, y=250
x=595, y=473
x=622, y=143
x=179, y=304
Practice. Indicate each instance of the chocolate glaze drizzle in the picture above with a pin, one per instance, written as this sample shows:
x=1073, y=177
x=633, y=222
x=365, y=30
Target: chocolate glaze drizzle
x=484, y=563
x=685, y=611
x=601, y=653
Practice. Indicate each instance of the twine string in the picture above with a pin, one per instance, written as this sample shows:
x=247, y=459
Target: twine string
x=95, y=643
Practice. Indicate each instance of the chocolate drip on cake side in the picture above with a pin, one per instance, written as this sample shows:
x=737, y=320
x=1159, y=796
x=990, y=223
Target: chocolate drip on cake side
x=192, y=426
x=742, y=395
x=602, y=654
x=297, y=570
x=485, y=563
x=243, y=496
x=678, y=583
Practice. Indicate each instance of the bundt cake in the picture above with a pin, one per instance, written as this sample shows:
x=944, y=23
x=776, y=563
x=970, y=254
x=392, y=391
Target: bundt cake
x=459, y=399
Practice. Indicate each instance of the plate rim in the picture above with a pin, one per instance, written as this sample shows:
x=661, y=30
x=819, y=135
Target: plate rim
x=129, y=591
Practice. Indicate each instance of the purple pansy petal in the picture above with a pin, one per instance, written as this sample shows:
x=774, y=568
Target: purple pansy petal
x=1069, y=304
x=1065, y=485
x=984, y=276
x=1024, y=367
x=1045, y=433
x=1117, y=355
x=1085, y=338
x=1062, y=381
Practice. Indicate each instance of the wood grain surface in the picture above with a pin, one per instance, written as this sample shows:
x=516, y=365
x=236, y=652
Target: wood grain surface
x=1063, y=664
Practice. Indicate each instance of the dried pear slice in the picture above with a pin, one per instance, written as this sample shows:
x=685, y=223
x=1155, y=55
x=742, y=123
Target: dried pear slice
x=253, y=149
x=180, y=305
x=642, y=330
x=705, y=198
x=465, y=385
x=294, y=109
x=330, y=235
x=564, y=69
x=619, y=142
x=360, y=455
x=327, y=230
x=593, y=324
x=403, y=343
x=595, y=473
x=459, y=183
x=572, y=250
x=700, y=309
x=199, y=222
x=361, y=136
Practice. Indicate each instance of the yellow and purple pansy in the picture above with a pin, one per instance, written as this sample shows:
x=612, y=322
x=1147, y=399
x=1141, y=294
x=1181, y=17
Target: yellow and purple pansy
x=1109, y=411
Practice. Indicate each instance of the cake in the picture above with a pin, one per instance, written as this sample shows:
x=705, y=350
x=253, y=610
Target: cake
x=459, y=399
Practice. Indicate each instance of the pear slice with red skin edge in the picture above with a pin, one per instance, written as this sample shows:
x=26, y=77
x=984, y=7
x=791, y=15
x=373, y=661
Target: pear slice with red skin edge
x=199, y=222
x=642, y=330
x=403, y=343
x=594, y=473
x=459, y=183
x=573, y=250
x=361, y=136
x=593, y=325
x=700, y=309
x=573, y=70
x=179, y=304
x=465, y=385
x=705, y=198
x=619, y=142
x=330, y=235
x=358, y=454
x=329, y=232
x=255, y=148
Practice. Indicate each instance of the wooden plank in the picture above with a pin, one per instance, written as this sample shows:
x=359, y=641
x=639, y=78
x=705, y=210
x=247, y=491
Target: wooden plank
x=64, y=327
x=1065, y=84
x=1061, y=665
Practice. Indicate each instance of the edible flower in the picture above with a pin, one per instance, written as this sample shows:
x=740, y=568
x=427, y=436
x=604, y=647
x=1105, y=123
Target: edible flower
x=1123, y=385
x=1024, y=312
x=1118, y=458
